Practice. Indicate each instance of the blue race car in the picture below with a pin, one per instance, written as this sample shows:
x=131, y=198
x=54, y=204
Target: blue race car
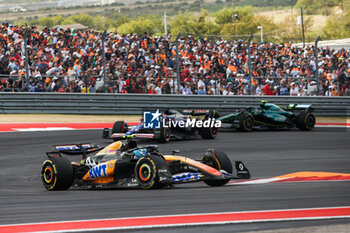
x=173, y=126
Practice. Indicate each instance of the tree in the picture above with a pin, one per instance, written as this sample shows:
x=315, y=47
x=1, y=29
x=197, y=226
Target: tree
x=337, y=26
x=224, y=16
x=120, y=20
x=188, y=23
x=317, y=6
x=181, y=23
x=246, y=23
x=102, y=23
x=141, y=24
x=48, y=21
x=84, y=19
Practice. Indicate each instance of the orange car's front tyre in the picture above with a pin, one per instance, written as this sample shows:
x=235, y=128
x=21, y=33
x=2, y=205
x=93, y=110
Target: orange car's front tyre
x=220, y=161
x=147, y=171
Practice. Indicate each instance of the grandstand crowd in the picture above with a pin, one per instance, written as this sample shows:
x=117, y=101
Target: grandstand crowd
x=68, y=60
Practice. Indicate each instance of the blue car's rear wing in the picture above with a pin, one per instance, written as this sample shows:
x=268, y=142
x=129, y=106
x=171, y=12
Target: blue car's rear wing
x=195, y=111
x=123, y=136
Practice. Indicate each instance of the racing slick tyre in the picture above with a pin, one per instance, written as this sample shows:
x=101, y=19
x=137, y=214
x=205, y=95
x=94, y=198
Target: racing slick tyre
x=209, y=132
x=164, y=134
x=147, y=171
x=120, y=127
x=220, y=161
x=305, y=121
x=57, y=174
x=246, y=122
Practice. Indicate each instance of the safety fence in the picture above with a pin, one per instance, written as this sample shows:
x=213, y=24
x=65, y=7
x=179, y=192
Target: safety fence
x=135, y=104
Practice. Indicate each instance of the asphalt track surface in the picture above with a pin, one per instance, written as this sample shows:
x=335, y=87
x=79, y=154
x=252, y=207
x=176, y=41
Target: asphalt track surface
x=23, y=198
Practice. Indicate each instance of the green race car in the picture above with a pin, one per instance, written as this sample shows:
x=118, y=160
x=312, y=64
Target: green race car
x=270, y=116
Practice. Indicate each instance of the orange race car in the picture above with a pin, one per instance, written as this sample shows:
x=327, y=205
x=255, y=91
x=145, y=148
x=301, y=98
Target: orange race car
x=124, y=164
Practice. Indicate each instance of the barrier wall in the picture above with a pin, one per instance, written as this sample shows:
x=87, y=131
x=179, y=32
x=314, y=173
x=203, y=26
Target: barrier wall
x=126, y=104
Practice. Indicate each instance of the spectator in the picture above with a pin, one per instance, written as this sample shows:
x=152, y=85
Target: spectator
x=267, y=88
x=347, y=90
x=312, y=89
x=158, y=88
x=275, y=91
x=167, y=88
x=187, y=89
x=92, y=88
x=283, y=88
x=201, y=90
x=134, y=62
x=258, y=89
x=152, y=89
x=294, y=90
x=85, y=89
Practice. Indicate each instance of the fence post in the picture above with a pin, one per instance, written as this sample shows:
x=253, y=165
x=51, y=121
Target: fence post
x=250, y=64
x=104, y=60
x=302, y=25
x=177, y=63
x=26, y=54
x=316, y=61
x=165, y=24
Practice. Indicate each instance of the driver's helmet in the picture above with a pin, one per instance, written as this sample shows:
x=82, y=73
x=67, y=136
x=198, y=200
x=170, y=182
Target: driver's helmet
x=262, y=104
x=130, y=144
x=123, y=146
x=139, y=153
x=168, y=112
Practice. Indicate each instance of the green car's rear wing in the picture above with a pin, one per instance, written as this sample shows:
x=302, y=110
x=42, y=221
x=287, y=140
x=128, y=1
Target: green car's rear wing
x=306, y=107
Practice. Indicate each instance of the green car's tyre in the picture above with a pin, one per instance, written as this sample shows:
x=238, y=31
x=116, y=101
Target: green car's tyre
x=164, y=134
x=246, y=122
x=306, y=121
x=146, y=171
x=57, y=174
x=120, y=127
x=220, y=161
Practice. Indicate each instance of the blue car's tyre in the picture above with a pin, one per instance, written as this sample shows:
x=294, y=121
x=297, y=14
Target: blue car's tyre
x=209, y=132
x=120, y=127
x=164, y=134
